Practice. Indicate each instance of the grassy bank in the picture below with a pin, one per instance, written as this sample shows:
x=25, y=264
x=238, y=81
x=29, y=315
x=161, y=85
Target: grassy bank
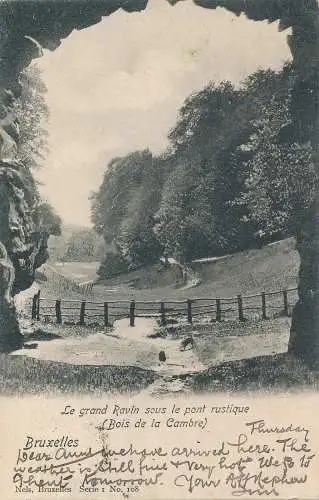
x=276, y=373
x=274, y=267
x=20, y=375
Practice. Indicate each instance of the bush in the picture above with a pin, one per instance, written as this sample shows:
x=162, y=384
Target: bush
x=112, y=265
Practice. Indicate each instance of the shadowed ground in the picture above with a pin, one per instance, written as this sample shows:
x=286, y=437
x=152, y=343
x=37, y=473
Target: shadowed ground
x=76, y=360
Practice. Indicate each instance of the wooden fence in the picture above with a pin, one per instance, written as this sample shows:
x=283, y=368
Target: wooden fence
x=263, y=306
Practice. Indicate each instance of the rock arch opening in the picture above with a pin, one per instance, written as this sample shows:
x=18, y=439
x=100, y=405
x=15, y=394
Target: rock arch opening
x=26, y=27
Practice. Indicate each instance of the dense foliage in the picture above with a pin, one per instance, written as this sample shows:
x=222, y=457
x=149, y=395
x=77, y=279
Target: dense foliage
x=232, y=177
x=83, y=245
x=124, y=207
x=46, y=219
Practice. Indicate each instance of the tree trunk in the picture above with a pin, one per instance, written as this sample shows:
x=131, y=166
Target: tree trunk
x=304, y=45
x=304, y=334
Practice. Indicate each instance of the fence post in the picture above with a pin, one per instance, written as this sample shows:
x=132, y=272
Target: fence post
x=162, y=311
x=58, y=311
x=189, y=311
x=82, y=313
x=285, y=297
x=218, y=310
x=263, y=305
x=106, y=314
x=38, y=306
x=240, y=308
x=34, y=306
x=132, y=313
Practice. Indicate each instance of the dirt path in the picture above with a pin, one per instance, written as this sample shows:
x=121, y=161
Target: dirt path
x=123, y=346
x=132, y=347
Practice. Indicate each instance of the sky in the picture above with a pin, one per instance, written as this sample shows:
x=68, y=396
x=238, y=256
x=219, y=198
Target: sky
x=117, y=86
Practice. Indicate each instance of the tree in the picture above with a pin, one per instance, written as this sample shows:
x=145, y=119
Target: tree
x=184, y=224
x=121, y=181
x=124, y=206
x=198, y=132
x=200, y=219
x=234, y=180
x=112, y=265
x=46, y=219
x=192, y=213
x=84, y=245
x=273, y=198
x=229, y=180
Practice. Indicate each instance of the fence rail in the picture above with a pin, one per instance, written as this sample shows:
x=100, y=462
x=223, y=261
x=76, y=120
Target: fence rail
x=264, y=305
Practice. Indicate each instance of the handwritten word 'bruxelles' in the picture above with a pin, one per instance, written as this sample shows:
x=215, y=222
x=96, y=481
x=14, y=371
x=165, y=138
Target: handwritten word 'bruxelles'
x=261, y=460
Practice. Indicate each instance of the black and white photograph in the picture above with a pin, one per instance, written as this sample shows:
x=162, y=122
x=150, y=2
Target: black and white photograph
x=159, y=240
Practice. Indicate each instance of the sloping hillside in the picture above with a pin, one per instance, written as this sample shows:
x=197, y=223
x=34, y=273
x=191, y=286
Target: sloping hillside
x=153, y=276
x=273, y=267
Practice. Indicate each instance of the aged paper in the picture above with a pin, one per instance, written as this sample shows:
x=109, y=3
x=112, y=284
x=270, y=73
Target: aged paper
x=154, y=362
x=208, y=447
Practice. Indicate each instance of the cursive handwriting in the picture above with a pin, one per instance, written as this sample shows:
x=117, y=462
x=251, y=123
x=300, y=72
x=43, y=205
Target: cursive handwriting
x=259, y=426
x=261, y=460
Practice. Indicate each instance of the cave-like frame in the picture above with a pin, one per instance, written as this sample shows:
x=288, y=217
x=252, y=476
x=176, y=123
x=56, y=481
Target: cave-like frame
x=26, y=24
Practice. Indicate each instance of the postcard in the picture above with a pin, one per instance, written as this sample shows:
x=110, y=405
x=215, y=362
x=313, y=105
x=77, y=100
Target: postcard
x=159, y=250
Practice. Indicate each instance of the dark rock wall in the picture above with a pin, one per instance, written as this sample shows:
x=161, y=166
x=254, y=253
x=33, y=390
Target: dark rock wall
x=26, y=28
